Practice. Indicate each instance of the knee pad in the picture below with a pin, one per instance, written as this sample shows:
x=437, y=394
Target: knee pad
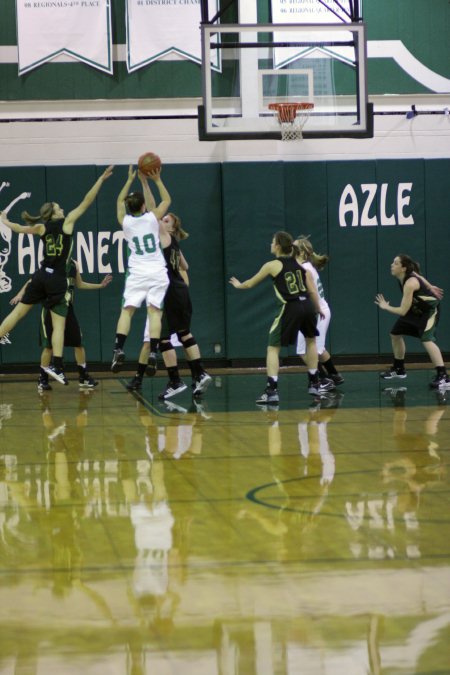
x=165, y=346
x=190, y=342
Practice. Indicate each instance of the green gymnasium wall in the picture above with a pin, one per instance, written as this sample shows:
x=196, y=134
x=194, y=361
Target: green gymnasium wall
x=361, y=213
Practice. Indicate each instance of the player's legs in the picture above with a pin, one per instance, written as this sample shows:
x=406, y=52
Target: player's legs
x=175, y=384
x=154, y=316
x=273, y=361
x=85, y=380
x=46, y=358
x=122, y=330
x=311, y=357
x=270, y=394
x=315, y=384
x=58, y=323
x=434, y=353
x=398, y=346
x=13, y=318
x=397, y=370
x=200, y=378
x=124, y=322
x=136, y=382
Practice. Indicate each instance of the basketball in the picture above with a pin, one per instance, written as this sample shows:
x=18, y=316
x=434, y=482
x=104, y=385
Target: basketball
x=148, y=162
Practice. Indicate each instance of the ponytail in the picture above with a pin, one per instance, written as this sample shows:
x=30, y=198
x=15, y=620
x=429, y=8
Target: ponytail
x=307, y=252
x=45, y=213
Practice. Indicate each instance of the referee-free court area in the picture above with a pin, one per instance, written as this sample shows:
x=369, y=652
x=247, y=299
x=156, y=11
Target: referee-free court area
x=216, y=537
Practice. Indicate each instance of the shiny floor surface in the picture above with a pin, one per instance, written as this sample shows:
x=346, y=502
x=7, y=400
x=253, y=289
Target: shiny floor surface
x=213, y=537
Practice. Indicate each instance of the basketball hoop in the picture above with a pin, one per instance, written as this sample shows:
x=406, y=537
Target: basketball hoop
x=292, y=118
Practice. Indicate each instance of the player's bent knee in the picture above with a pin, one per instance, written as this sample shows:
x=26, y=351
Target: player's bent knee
x=189, y=342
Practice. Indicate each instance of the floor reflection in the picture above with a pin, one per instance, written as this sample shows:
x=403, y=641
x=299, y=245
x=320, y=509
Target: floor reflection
x=209, y=536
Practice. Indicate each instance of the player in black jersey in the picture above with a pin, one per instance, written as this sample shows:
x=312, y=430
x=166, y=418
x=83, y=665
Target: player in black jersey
x=418, y=317
x=73, y=336
x=296, y=291
x=48, y=284
x=176, y=318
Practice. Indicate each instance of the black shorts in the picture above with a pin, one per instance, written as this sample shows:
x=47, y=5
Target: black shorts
x=50, y=289
x=420, y=326
x=72, y=331
x=296, y=315
x=177, y=312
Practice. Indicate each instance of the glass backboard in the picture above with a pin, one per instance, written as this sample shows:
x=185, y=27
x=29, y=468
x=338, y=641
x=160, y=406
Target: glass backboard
x=258, y=65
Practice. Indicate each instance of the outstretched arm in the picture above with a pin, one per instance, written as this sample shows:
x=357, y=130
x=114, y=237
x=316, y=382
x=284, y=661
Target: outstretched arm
x=120, y=207
x=89, y=197
x=38, y=229
x=23, y=195
x=166, y=200
x=268, y=269
x=150, y=202
x=408, y=289
x=18, y=298
x=86, y=285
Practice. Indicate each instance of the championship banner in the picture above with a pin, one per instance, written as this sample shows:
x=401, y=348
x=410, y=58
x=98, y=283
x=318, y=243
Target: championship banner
x=79, y=28
x=310, y=11
x=156, y=28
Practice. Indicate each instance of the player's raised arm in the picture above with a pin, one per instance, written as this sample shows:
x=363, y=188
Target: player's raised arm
x=89, y=197
x=120, y=207
x=166, y=200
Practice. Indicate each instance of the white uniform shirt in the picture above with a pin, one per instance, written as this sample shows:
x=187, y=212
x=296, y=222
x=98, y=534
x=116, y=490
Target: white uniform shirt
x=142, y=235
x=318, y=284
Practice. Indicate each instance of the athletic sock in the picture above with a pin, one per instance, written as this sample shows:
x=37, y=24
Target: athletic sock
x=120, y=341
x=58, y=362
x=141, y=370
x=399, y=364
x=173, y=373
x=322, y=370
x=329, y=367
x=196, y=368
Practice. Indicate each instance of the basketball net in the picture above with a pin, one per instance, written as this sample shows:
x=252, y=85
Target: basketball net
x=292, y=117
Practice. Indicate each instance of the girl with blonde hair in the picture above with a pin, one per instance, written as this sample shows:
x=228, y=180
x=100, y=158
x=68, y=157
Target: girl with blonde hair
x=315, y=262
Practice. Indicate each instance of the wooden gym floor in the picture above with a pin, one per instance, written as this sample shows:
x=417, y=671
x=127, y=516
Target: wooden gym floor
x=213, y=537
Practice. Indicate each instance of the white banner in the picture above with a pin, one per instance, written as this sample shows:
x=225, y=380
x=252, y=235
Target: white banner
x=156, y=28
x=311, y=11
x=79, y=28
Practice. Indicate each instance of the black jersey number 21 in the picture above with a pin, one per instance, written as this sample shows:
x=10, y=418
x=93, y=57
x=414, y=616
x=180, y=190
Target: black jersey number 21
x=294, y=282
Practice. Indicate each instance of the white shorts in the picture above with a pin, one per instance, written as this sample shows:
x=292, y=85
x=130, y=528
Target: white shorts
x=322, y=327
x=173, y=338
x=151, y=289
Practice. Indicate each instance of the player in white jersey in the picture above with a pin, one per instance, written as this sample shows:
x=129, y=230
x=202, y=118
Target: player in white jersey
x=147, y=278
x=314, y=262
